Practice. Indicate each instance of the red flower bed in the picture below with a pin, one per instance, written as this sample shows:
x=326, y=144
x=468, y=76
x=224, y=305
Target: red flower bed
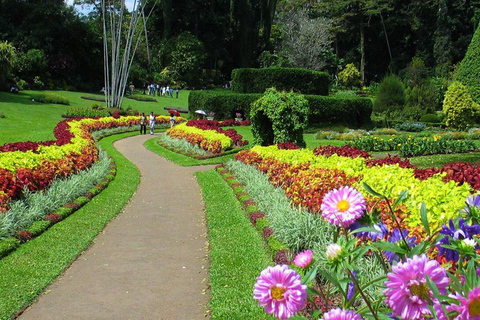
x=344, y=151
x=214, y=125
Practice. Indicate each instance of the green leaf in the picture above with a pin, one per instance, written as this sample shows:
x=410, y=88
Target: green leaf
x=388, y=246
x=370, y=190
x=310, y=275
x=424, y=218
x=403, y=195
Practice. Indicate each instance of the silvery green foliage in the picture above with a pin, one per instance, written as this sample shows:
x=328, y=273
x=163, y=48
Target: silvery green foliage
x=35, y=205
x=182, y=144
x=294, y=226
x=306, y=41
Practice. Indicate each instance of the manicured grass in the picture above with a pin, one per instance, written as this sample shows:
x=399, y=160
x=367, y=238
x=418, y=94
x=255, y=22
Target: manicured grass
x=439, y=160
x=27, y=271
x=237, y=253
x=26, y=120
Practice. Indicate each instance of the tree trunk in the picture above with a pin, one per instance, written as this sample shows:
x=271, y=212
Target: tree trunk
x=362, y=52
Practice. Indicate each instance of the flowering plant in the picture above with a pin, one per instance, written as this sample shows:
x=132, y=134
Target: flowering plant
x=436, y=277
x=238, y=115
x=211, y=114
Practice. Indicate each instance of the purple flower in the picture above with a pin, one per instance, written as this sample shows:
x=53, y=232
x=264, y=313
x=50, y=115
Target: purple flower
x=407, y=291
x=452, y=233
x=468, y=308
x=341, y=314
x=472, y=207
x=280, y=290
x=343, y=206
x=303, y=259
x=351, y=287
x=396, y=238
x=379, y=226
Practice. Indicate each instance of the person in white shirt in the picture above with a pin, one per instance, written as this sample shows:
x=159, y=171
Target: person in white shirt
x=152, y=122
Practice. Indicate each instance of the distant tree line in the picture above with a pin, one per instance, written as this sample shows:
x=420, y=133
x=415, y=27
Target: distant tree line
x=196, y=43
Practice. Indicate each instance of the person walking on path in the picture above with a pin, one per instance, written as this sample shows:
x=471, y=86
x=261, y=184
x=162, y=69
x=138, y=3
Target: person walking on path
x=152, y=122
x=143, y=124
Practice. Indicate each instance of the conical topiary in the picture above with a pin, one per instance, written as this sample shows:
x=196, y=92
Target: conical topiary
x=469, y=69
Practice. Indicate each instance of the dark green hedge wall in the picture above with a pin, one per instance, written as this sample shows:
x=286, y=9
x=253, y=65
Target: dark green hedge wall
x=354, y=112
x=249, y=80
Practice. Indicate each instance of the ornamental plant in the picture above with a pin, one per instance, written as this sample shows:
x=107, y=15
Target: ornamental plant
x=415, y=285
x=279, y=117
x=458, y=106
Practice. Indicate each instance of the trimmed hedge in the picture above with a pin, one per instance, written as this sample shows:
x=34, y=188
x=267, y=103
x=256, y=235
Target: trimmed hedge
x=352, y=112
x=249, y=80
x=469, y=69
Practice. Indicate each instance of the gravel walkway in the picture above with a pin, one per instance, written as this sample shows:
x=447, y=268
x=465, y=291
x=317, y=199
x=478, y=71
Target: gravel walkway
x=151, y=262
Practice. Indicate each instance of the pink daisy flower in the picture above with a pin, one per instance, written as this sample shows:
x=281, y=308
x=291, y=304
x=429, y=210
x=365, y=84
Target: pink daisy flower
x=341, y=314
x=343, y=206
x=280, y=290
x=303, y=259
x=469, y=308
x=407, y=291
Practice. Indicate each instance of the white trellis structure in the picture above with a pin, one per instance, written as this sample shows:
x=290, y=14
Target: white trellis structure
x=121, y=37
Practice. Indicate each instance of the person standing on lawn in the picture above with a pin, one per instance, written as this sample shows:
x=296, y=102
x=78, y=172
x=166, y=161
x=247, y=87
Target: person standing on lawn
x=143, y=124
x=152, y=122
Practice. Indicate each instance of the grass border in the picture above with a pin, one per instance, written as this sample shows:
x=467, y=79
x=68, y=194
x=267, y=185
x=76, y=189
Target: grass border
x=27, y=271
x=237, y=252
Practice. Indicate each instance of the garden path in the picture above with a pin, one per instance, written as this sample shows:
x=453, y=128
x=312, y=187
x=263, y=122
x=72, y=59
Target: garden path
x=151, y=262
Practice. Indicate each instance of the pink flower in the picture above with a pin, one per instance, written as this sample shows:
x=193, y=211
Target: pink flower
x=303, y=259
x=469, y=308
x=407, y=291
x=280, y=290
x=341, y=314
x=343, y=206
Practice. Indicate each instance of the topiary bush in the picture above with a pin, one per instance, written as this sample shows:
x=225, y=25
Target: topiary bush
x=279, y=117
x=458, y=106
x=469, y=69
x=349, y=76
x=390, y=95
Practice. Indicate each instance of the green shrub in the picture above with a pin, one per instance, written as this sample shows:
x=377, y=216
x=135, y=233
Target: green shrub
x=249, y=80
x=422, y=97
x=350, y=112
x=8, y=245
x=38, y=227
x=50, y=98
x=469, y=69
x=430, y=118
x=390, y=95
x=279, y=117
x=64, y=212
x=87, y=112
x=349, y=76
x=458, y=106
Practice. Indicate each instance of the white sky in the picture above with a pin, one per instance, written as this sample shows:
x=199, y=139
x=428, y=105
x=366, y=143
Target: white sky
x=128, y=4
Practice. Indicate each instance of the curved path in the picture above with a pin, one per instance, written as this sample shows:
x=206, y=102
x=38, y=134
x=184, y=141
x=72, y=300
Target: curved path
x=151, y=262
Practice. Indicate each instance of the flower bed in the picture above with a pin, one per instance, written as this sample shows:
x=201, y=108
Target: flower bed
x=207, y=135
x=34, y=165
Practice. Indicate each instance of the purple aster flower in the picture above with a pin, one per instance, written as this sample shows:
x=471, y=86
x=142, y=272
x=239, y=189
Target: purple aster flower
x=341, y=314
x=452, y=233
x=343, y=206
x=303, y=259
x=280, y=290
x=472, y=207
x=407, y=291
x=468, y=308
x=379, y=226
x=396, y=238
x=351, y=287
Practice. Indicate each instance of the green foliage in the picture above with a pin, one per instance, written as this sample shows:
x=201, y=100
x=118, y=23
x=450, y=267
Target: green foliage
x=390, y=95
x=422, y=97
x=8, y=57
x=31, y=64
x=350, y=76
x=38, y=227
x=279, y=117
x=458, y=106
x=50, y=98
x=224, y=103
x=87, y=112
x=351, y=112
x=430, y=118
x=469, y=69
x=249, y=80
